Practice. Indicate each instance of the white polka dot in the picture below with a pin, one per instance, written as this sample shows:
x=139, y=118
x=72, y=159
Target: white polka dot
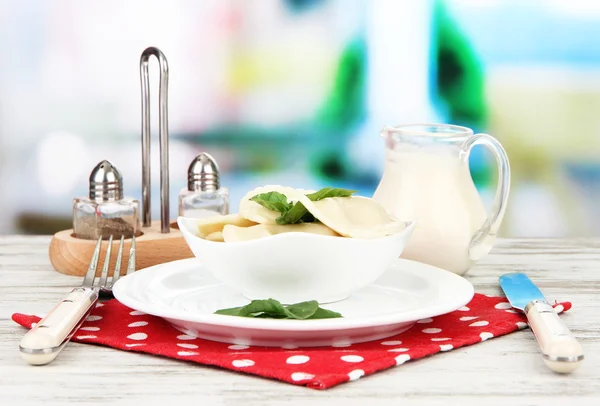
x=134, y=345
x=352, y=358
x=90, y=328
x=401, y=359
x=341, y=345
x=440, y=339
x=484, y=336
x=297, y=359
x=187, y=353
x=521, y=325
x=241, y=363
x=137, y=336
x=559, y=308
x=185, y=337
x=432, y=330
x=186, y=345
x=93, y=318
x=392, y=342
x=423, y=321
x=446, y=347
x=479, y=323
x=238, y=347
x=467, y=318
x=99, y=304
x=398, y=350
x=33, y=325
x=511, y=311
x=85, y=337
x=137, y=313
x=138, y=324
x=464, y=309
x=301, y=376
x=503, y=306
x=354, y=375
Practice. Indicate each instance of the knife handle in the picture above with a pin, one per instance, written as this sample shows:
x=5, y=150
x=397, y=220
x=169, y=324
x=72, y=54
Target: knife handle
x=42, y=343
x=561, y=351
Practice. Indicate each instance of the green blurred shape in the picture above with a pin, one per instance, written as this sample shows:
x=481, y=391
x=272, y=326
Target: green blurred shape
x=459, y=76
x=342, y=110
x=345, y=104
x=460, y=84
x=299, y=6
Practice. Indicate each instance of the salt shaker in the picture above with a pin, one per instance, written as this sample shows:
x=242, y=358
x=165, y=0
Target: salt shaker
x=105, y=211
x=204, y=196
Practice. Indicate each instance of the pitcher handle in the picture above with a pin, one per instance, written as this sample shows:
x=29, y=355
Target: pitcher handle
x=484, y=238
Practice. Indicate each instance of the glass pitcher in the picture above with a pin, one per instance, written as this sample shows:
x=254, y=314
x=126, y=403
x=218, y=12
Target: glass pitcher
x=427, y=179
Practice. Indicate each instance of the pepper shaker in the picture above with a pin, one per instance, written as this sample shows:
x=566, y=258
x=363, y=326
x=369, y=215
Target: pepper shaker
x=204, y=196
x=105, y=211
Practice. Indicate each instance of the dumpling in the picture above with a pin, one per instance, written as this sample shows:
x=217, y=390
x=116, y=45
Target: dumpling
x=217, y=236
x=260, y=214
x=213, y=224
x=355, y=216
x=233, y=233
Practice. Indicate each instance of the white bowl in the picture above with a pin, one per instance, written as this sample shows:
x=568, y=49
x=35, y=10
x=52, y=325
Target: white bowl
x=296, y=267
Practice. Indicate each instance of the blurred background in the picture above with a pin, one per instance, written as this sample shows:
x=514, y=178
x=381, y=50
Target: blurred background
x=295, y=92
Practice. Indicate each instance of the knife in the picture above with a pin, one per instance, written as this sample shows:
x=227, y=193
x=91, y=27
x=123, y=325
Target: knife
x=561, y=351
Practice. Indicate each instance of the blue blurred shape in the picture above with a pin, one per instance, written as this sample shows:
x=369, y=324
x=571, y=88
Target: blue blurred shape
x=301, y=5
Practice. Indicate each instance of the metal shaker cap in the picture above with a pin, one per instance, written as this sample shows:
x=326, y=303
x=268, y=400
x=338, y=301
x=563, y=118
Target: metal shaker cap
x=106, y=182
x=203, y=174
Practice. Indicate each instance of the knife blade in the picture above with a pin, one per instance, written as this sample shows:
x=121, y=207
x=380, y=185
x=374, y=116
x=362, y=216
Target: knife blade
x=560, y=349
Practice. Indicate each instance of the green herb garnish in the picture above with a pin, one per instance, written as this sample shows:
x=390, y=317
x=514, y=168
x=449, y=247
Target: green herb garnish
x=296, y=213
x=330, y=192
x=273, y=201
x=273, y=309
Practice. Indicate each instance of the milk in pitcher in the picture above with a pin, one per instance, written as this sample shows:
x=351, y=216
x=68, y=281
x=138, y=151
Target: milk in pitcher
x=427, y=179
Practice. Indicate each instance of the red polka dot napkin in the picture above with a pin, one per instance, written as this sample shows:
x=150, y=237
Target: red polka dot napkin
x=114, y=325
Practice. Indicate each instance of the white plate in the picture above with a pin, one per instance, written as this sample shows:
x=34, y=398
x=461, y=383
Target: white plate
x=187, y=295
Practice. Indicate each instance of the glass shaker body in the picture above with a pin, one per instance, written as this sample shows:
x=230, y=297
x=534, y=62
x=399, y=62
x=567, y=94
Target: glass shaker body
x=200, y=204
x=93, y=218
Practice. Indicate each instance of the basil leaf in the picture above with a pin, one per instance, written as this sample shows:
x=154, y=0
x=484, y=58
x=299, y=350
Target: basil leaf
x=292, y=216
x=273, y=309
x=273, y=201
x=303, y=310
x=308, y=218
x=233, y=311
x=325, y=314
x=255, y=308
x=330, y=192
x=300, y=214
x=270, y=316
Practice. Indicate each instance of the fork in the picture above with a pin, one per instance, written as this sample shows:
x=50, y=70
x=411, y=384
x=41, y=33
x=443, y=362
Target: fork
x=44, y=341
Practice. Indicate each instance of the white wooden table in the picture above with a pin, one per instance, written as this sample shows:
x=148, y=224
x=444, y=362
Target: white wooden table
x=505, y=371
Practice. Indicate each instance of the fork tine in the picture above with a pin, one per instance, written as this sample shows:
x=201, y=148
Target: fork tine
x=117, y=271
x=104, y=275
x=131, y=261
x=90, y=275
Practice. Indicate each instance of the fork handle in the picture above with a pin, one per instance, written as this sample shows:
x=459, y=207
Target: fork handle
x=43, y=342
